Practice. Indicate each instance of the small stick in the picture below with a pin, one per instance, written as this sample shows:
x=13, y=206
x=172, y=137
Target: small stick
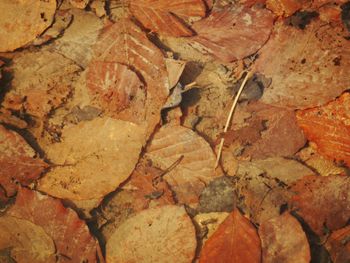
x=228, y=121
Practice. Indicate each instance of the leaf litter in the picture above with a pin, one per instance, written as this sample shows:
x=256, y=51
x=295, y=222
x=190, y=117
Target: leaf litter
x=116, y=112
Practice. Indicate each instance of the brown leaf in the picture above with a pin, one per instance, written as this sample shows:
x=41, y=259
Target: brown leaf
x=188, y=178
x=79, y=3
x=235, y=240
x=234, y=33
x=125, y=43
x=154, y=235
x=41, y=82
x=284, y=7
x=329, y=128
x=27, y=241
x=175, y=68
x=18, y=163
x=165, y=16
x=70, y=234
x=22, y=21
x=92, y=159
x=322, y=201
x=304, y=64
x=283, y=240
x=338, y=245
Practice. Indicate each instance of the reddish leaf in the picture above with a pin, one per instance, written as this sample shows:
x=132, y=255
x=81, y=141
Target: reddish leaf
x=124, y=43
x=235, y=240
x=304, y=64
x=322, y=201
x=234, y=33
x=283, y=240
x=338, y=245
x=329, y=128
x=163, y=16
x=70, y=234
x=284, y=7
x=18, y=163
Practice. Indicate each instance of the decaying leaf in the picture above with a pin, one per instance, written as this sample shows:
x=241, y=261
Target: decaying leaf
x=23, y=20
x=123, y=42
x=284, y=7
x=79, y=3
x=235, y=240
x=328, y=127
x=283, y=240
x=175, y=68
x=304, y=64
x=234, y=33
x=92, y=159
x=196, y=161
x=18, y=163
x=338, y=245
x=27, y=242
x=322, y=201
x=41, y=82
x=165, y=16
x=154, y=235
x=69, y=233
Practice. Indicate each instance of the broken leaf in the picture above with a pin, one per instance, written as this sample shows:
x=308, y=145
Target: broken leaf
x=338, y=245
x=283, y=240
x=193, y=158
x=23, y=20
x=154, y=235
x=70, y=234
x=92, y=159
x=235, y=240
x=328, y=127
x=234, y=33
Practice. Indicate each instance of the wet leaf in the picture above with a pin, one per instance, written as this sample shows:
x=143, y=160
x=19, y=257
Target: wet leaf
x=329, y=128
x=283, y=240
x=234, y=33
x=235, y=240
x=70, y=234
x=154, y=235
x=23, y=20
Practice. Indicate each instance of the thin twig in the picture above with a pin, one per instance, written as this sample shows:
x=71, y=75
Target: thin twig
x=228, y=121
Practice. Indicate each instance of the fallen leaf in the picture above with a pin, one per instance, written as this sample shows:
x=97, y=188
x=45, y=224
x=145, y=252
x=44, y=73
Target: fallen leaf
x=154, y=235
x=283, y=240
x=338, y=245
x=164, y=16
x=18, y=163
x=22, y=21
x=27, y=241
x=41, y=82
x=123, y=42
x=322, y=201
x=175, y=68
x=234, y=33
x=284, y=7
x=196, y=168
x=328, y=127
x=235, y=240
x=303, y=64
x=70, y=234
x=79, y=3
x=112, y=146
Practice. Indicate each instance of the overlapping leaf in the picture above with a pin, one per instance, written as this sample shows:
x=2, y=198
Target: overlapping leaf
x=338, y=245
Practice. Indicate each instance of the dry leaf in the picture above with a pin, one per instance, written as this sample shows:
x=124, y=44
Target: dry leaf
x=304, y=64
x=164, y=16
x=234, y=33
x=92, y=159
x=194, y=170
x=27, y=241
x=23, y=20
x=322, y=201
x=235, y=240
x=338, y=245
x=283, y=240
x=125, y=43
x=164, y=234
x=175, y=68
x=70, y=234
x=328, y=127
x=284, y=7
x=41, y=82
x=18, y=163
x=79, y=3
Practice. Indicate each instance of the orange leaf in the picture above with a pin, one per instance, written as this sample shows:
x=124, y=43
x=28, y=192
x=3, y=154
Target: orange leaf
x=284, y=7
x=329, y=128
x=236, y=240
x=338, y=245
